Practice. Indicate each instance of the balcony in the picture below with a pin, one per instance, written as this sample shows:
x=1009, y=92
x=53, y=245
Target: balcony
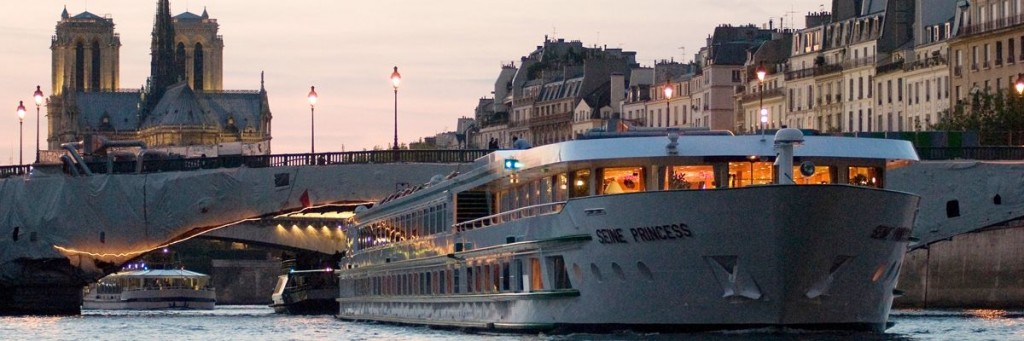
x=538, y=121
x=925, y=63
x=991, y=25
x=815, y=71
x=958, y=71
x=775, y=92
x=849, y=64
x=890, y=67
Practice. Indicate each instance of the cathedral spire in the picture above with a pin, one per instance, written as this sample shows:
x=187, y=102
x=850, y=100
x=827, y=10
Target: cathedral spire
x=165, y=68
x=64, y=15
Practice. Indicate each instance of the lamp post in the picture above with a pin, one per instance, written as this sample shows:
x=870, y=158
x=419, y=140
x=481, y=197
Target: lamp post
x=38, y=96
x=1020, y=84
x=396, y=78
x=21, y=130
x=761, y=72
x=668, y=96
x=312, y=123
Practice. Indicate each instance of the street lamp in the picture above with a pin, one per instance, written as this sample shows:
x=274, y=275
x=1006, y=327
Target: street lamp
x=396, y=78
x=21, y=129
x=312, y=124
x=38, y=96
x=761, y=72
x=668, y=96
x=1020, y=84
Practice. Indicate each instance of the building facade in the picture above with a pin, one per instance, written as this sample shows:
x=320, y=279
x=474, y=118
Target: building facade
x=866, y=66
x=988, y=48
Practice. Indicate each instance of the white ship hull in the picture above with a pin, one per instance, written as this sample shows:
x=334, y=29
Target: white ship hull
x=790, y=256
x=152, y=299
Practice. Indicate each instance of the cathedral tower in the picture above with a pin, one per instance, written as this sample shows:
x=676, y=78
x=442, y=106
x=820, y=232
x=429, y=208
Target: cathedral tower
x=196, y=39
x=85, y=52
x=166, y=64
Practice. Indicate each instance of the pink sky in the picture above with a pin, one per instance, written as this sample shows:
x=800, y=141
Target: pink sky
x=448, y=51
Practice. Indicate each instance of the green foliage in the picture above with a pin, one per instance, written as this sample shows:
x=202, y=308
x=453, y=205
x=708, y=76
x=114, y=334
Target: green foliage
x=985, y=112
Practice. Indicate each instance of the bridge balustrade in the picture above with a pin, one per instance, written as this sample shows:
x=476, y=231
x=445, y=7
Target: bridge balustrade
x=177, y=164
x=990, y=153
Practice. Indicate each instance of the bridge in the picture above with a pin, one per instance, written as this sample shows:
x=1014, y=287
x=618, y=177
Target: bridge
x=62, y=230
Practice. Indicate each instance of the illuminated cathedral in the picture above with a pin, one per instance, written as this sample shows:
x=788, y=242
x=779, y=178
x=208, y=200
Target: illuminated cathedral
x=182, y=108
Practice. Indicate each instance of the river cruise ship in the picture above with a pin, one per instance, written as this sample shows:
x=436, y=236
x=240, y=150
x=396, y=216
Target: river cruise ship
x=676, y=232
x=151, y=290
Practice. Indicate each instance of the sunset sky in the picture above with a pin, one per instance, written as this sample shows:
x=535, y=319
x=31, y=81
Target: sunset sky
x=449, y=53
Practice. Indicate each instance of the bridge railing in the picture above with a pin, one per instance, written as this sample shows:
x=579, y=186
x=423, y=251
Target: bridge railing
x=262, y=161
x=989, y=153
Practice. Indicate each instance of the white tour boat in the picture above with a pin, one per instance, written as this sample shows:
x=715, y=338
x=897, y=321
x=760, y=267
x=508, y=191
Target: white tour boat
x=151, y=289
x=645, y=233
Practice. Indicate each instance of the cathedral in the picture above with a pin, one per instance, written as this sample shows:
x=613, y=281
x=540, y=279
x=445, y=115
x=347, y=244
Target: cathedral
x=182, y=108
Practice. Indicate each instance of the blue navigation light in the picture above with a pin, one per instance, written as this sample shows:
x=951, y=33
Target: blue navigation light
x=512, y=164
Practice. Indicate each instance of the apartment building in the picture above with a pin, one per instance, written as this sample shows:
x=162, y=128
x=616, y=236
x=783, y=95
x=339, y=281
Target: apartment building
x=988, y=47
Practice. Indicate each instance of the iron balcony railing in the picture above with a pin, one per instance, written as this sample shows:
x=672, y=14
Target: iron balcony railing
x=991, y=25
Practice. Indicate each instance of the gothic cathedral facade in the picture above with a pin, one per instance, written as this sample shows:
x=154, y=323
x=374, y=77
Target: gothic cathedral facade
x=183, y=107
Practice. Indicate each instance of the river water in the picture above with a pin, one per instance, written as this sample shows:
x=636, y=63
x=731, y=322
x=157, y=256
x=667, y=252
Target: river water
x=260, y=323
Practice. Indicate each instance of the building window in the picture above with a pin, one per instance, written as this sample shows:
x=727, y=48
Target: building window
x=999, y=53
x=870, y=80
x=879, y=93
x=1009, y=51
x=851, y=88
x=888, y=90
x=899, y=89
x=974, y=56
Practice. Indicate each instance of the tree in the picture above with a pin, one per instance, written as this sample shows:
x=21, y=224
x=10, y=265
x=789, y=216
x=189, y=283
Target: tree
x=996, y=117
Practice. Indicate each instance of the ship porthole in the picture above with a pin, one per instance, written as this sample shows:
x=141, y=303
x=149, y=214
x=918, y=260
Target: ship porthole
x=618, y=271
x=645, y=271
x=577, y=272
x=597, y=272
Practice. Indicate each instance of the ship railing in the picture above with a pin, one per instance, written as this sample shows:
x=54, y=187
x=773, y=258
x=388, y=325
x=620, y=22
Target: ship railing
x=508, y=216
x=174, y=287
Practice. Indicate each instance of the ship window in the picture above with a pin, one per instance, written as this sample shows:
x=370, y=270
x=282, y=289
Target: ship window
x=622, y=180
x=518, y=283
x=690, y=177
x=865, y=176
x=454, y=282
x=480, y=284
x=536, y=281
x=442, y=286
x=486, y=274
x=545, y=190
x=822, y=175
x=743, y=174
x=424, y=283
x=469, y=279
x=495, y=277
x=505, y=277
x=562, y=189
x=559, y=274
x=580, y=183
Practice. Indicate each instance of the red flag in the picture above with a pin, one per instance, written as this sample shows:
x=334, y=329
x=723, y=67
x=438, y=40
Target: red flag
x=304, y=198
